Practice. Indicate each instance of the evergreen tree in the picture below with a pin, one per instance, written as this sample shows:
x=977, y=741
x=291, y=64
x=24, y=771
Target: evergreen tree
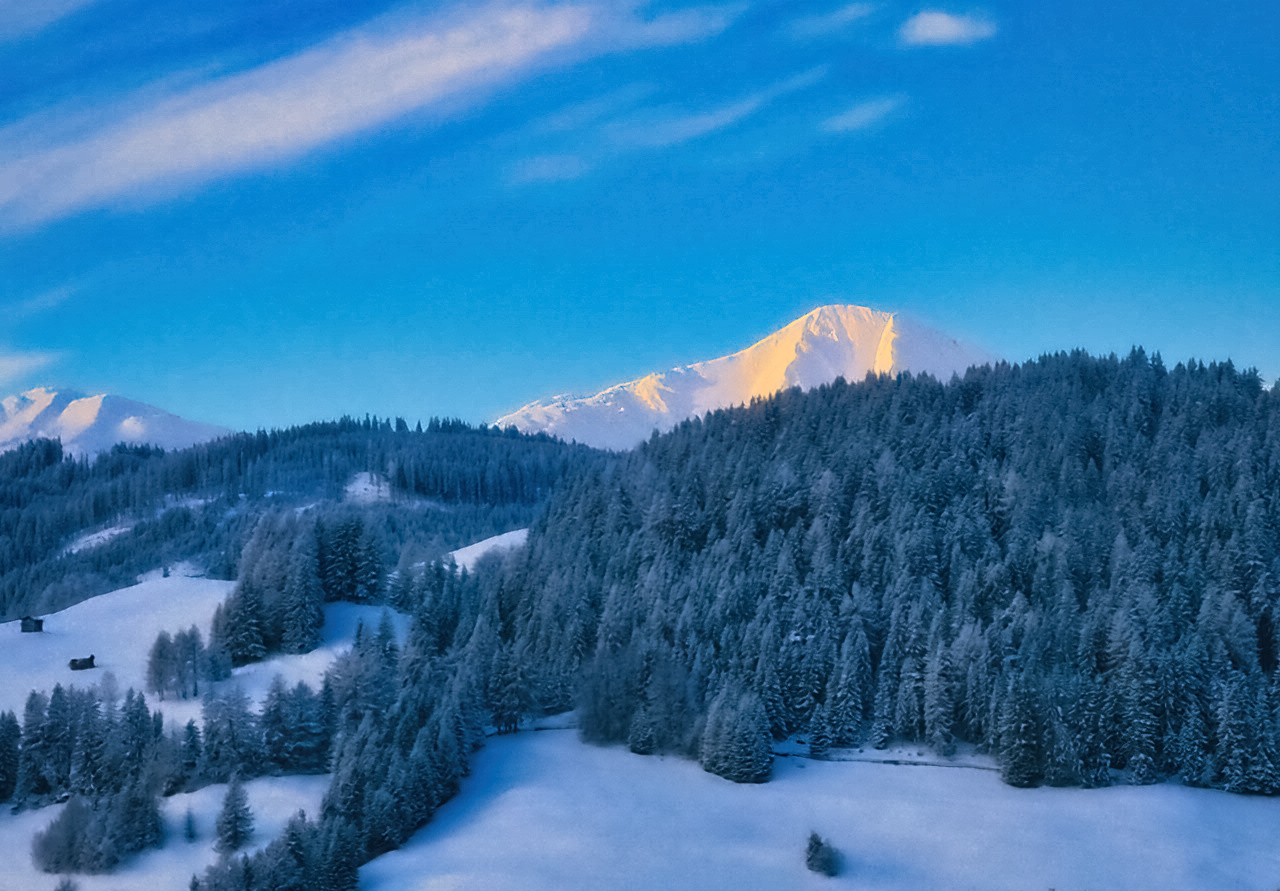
x=235, y=820
x=32, y=780
x=10, y=736
x=302, y=607
x=162, y=665
x=189, y=662
x=1021, y=738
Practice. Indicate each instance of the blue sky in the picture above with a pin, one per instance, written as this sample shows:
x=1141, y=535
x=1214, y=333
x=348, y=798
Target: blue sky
x=260, y=214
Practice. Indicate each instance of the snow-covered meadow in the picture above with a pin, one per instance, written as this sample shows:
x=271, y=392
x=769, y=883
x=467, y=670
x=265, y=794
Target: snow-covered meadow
x=542, y=810
x=118, y=628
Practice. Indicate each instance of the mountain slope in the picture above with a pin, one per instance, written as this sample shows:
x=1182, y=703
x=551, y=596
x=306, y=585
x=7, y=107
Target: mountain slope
x=828, y=342
x=89, y=424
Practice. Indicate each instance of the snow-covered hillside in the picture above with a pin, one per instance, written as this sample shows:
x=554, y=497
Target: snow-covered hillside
x=118, y=628
x=466, y=558
x=544, y=811
x=273, y=800
x=89, y=424
x=815, y=349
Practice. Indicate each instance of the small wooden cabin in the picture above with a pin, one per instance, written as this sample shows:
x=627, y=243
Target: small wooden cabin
x=31, y=624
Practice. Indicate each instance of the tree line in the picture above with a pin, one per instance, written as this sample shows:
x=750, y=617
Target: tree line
x=452, y=484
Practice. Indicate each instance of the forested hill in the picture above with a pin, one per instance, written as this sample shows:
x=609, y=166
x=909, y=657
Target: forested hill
x=445, y=486
x=1072, y=563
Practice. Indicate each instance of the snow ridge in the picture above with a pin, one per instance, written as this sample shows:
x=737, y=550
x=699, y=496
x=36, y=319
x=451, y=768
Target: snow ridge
x=90, y=424
x=815, y=349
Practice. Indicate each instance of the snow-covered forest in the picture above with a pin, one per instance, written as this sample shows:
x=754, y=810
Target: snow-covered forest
x=450, y=484
x=1070, y=565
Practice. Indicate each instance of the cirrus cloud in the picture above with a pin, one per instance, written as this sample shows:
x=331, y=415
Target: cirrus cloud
x=812, y=26
x=863, y=115
x=936, y=28
x=21, y=17
x=14, y=366
x=669, y=130
x=352, y=83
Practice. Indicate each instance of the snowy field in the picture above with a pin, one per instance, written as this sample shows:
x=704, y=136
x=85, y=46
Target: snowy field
x=118, y=628
x=544, y=811
x=273, y=801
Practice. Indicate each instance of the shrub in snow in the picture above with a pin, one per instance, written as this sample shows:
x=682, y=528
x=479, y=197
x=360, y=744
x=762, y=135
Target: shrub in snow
x=821, y=857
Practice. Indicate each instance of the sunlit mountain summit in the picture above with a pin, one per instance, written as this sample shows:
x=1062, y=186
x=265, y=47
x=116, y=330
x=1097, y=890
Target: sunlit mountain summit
x=829, y=342
x=90, y=424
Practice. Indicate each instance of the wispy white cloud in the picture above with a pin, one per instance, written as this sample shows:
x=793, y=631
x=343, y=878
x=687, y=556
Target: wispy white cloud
x=682, y=26
x=352, y=83
x=549, y=168
x=936, y=28
x=863, y=115
x=591, y=111
x=673, y=129
x=14, y=366
x=809, y=27
x=19, y=17
x=42, y=302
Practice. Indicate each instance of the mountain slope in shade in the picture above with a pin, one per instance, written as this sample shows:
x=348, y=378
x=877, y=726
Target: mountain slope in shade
x=89, y=424
x=815, y=349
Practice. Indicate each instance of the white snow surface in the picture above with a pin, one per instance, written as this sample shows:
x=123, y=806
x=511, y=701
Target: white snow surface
x=273, y=800
x=827, y=343
x=545, y=811
x=368, y=488
x=466, y=558
x=93, y=539
x=118, y=628
x=90, y=424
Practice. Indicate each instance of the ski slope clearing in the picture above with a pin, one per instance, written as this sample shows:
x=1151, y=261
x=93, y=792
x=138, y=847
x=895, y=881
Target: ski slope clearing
x=273, y=801
x=467, y=557
x=368, y=488
x=545, y=811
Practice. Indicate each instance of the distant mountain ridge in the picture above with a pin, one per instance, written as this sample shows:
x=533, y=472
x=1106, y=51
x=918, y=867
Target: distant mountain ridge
x=90, y=424
x=829, y=342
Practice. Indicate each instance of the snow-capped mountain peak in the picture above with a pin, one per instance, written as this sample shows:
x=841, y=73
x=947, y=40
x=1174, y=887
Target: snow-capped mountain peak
x=827, y=343
x=89, y=424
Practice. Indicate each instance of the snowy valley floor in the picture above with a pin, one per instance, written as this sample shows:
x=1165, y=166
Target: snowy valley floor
x=544, y=811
